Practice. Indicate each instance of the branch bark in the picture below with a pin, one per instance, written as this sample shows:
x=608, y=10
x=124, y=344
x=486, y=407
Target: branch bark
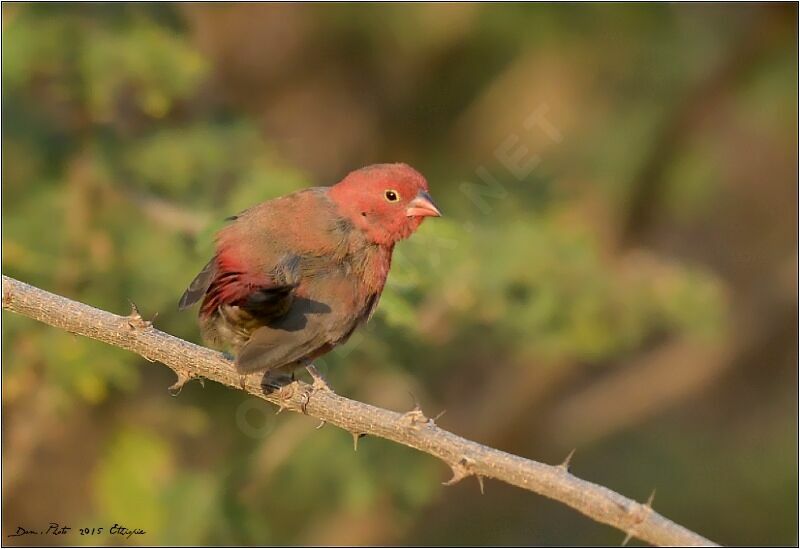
x=413, y=429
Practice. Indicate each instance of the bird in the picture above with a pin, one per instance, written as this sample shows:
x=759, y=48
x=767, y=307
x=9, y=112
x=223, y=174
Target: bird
x=293, y=277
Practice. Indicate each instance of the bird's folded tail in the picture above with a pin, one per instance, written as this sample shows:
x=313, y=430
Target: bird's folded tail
x=199, y=286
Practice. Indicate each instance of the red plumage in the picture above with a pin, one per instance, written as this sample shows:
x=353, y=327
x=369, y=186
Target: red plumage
x=294, y=276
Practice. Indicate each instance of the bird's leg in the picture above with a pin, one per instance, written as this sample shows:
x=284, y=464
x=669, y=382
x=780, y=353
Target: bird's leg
x=319, y=383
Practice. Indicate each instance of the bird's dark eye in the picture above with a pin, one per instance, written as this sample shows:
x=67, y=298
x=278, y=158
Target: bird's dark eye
x=391, y=196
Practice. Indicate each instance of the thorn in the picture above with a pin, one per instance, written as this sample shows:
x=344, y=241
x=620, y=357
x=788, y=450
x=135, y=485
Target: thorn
x=415, y=418
x=416, y=402
x=321, y=424
x=135, y=319
x=480, y=483
x=461, y=470
x=356, y=438
x=628, y=537
x=202, y=381
x=437, y=416
x=134, y=311
x=175, y=388
x=459, y=473
x=649, y=504
x=281, y=408
x=639, y=516
x=567, y=460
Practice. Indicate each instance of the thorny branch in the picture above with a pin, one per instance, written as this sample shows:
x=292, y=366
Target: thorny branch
x=413, y=428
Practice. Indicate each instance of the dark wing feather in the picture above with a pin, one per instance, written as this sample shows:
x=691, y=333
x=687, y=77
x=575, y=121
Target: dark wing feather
x=270, y=302
x=198, y=287
x=293, y=337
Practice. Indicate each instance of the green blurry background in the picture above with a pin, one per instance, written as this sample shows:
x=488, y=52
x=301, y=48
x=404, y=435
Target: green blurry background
x=622, y=282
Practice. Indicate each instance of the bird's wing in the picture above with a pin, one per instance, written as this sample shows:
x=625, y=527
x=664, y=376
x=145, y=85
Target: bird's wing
x=266, y=294
x=324, y=313
x=198, y=287
x=257, y=262
x=261, y=296
x=300, y=334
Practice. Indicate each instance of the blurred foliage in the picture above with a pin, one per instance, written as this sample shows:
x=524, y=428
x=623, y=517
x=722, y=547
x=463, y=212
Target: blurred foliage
x=131, y=131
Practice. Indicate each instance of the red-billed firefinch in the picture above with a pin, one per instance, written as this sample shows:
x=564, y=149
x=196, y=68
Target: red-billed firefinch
x=293, y=277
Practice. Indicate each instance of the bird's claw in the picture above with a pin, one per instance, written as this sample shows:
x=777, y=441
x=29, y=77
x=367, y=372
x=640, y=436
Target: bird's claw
x=318, y=384
x=281, y=385
x=305, y=398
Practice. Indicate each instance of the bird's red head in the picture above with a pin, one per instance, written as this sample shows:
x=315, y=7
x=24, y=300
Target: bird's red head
x=386, y=201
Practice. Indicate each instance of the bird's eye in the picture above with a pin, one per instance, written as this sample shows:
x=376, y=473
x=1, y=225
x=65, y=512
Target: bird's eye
x=391, y=196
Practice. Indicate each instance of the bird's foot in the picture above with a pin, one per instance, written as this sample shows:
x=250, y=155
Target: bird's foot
x=281, y=385
x=273, y=381
x=284, y=386
x=319, y=383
